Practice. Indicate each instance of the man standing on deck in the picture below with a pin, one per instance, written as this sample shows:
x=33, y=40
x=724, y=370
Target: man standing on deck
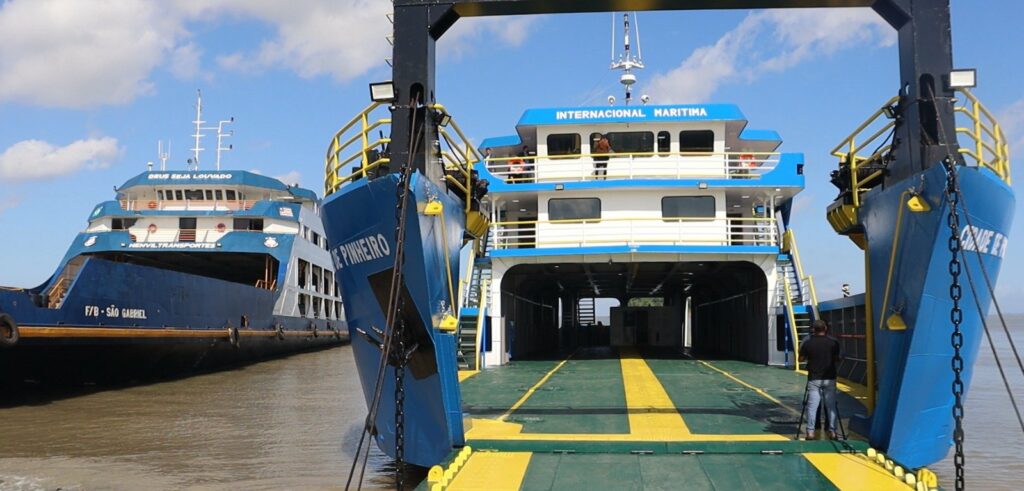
x=821, y=353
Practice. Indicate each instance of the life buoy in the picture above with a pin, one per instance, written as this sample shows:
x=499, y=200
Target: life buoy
x=152, y=228
x=9, y=334
x=233, y=335
x=280, y=332
x=151, y=205
x=747, y=160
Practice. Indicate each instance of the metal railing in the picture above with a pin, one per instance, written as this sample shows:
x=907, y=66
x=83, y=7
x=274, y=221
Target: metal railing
x=985, y=146
x=990, y=148
x=635, y=231
x=158, y=205
x=633, y=165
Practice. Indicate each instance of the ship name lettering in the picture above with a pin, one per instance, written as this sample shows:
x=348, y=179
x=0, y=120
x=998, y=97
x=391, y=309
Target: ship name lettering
x=982, y=240
x=362, y=250
x=681, y=112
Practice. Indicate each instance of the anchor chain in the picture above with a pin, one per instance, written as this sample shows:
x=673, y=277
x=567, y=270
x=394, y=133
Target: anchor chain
x=400, y=407
x=398, y=328
x=956, y=317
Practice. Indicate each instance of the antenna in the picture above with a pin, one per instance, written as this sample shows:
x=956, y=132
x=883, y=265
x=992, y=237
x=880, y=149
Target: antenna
x=163, y=156
x=194, y=161
x=626, y=61
x=221, y=135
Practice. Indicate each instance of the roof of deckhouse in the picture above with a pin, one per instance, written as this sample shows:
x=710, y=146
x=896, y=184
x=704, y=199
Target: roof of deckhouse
x=214, y=178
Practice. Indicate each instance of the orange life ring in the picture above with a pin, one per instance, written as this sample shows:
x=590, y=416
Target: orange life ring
x=152, y=228
x=747, y=160
x=151, y=205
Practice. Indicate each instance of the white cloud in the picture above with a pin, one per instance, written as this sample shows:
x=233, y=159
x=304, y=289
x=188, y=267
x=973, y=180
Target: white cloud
x=469, y=33
x=8, y=203
x=769, y=41
x=185, y=61
x=291, y=178
x=36, y=159
x=69, y=53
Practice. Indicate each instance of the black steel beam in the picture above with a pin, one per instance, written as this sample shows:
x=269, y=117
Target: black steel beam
x=924, y=130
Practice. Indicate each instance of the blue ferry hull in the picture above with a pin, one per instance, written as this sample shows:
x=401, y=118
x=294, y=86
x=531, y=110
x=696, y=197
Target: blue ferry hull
x=123, y=320
x=913, y=418
x=360, y=224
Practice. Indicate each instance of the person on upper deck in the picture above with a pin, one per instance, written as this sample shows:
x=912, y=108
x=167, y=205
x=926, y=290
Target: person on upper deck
x=600, y=151
x=821, y=352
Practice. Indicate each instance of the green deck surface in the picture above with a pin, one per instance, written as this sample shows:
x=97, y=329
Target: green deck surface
x=587, y=396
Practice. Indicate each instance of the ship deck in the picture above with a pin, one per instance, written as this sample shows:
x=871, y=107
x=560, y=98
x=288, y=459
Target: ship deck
x=626, y=419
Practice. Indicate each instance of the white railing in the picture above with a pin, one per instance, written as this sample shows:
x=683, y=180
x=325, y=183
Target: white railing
x=157, y=205
x=635, y=231
x=686, y=165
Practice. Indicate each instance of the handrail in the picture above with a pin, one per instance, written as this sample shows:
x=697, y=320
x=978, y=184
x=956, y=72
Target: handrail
x=984, y=123
x=792, y=326
x=637, y=230
x=850, y=157
x=480, y=318
x=629, y=219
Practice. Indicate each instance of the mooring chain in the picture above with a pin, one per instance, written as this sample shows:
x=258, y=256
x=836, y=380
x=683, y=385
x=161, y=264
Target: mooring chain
x=956, y=316
x=400, y=408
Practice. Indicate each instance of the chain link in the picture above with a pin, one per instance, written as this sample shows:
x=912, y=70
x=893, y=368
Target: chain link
x=956, y=316
x=400, y=407
x=398, y=351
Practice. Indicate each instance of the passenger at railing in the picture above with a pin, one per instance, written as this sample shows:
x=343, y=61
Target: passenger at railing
x=479, y=190
x=600, y=151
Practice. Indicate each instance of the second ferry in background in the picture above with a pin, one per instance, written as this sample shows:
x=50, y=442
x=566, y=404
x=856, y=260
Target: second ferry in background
x=184, y=270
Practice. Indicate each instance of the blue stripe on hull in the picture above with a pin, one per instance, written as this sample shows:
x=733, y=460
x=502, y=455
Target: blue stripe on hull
x=360, y=224
x=913, y=417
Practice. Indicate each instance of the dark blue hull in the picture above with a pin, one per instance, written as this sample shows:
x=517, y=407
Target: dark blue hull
x=913, y=418
x=360, y=224
x=119, y=316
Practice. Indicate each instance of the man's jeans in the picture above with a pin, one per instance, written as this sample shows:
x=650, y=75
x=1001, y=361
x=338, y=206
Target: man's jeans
x=816, y=391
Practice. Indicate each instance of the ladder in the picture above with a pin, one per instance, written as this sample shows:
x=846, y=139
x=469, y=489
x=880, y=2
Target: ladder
x=797, y=299
x=587, y=311
x=59, y=291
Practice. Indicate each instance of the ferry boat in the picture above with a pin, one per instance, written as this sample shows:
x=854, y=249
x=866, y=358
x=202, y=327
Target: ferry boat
x=183, y=270
x=679, y=217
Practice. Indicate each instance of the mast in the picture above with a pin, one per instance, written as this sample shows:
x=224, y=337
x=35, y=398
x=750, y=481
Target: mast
x=626, y=61
x=194, y=161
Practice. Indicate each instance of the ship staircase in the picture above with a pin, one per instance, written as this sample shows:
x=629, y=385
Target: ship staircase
x=473, y=307
x=59, y=291
x=587, y=312
x=797, y=298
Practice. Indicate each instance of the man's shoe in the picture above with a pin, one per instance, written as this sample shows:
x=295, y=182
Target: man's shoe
x=832, y=435
x=810, y=435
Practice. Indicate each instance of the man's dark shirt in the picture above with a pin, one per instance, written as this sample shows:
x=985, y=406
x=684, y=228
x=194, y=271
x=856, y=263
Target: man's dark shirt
x=821, y=353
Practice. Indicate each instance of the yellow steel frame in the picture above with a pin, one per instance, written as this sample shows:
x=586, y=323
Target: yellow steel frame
x=851, y=146
x=991, y=149
x=792, y=325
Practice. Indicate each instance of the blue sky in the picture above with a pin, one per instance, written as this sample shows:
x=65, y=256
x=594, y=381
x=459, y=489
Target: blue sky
x=87, y=89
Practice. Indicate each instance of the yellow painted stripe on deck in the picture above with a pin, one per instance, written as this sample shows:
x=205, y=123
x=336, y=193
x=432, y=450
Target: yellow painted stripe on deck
x=497, y=471
x=652, y=414
x=851, y=473
x=751, y=387
x=533, y=389
x=465, y=374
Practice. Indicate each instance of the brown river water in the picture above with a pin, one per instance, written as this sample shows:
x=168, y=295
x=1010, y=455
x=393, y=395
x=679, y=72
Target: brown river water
x=293, y=423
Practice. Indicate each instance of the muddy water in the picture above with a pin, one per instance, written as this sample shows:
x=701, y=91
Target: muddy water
x=293, y=423
x=290, y=423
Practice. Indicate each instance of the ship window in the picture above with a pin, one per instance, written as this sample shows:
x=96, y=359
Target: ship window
x=122, y=223
x=574, y=208
x=218, y=194
x=194, y=194
x=178, y=196
x=315, y=239
x=209, y=195
x=160, y=194
x=230, y=194
x=688, y=207
x=303, y=302
x=664, y=140
x=303, y=271
x=318, y=272
x=631, y=141
x=697, y=141
x=248, y=224
x=564, y=144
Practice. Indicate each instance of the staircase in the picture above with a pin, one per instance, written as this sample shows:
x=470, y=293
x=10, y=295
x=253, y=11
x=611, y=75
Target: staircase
x=587, y=311
x=187, y=235
x=796, y=298
x=59, y=291
x=473, y=315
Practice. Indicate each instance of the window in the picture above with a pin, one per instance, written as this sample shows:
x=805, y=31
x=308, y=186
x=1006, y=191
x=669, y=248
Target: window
x=564, y=144
x=697, y=141
x=248, y=224
x=631, y=141
x=303, y=272
x=316, y=238
x=664, y=142
x=122, y=223
x=574, y=208
x=688, y=207
x=194, y=194
x=218, y=194
x=230, y=195
x=209, y=195
x=160, y=194
x=178, y=196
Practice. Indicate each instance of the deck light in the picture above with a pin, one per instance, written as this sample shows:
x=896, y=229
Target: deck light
x=702, y=185
x=965, y=78
x=889, y=111
x=382, y=91
x=559, y=187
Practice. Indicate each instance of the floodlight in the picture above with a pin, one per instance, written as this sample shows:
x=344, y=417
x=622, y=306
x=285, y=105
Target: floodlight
x=966, y=78
x=382, y=91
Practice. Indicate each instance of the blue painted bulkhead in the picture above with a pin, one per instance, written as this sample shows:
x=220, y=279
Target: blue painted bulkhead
x=360, y=224
x=913, y=417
